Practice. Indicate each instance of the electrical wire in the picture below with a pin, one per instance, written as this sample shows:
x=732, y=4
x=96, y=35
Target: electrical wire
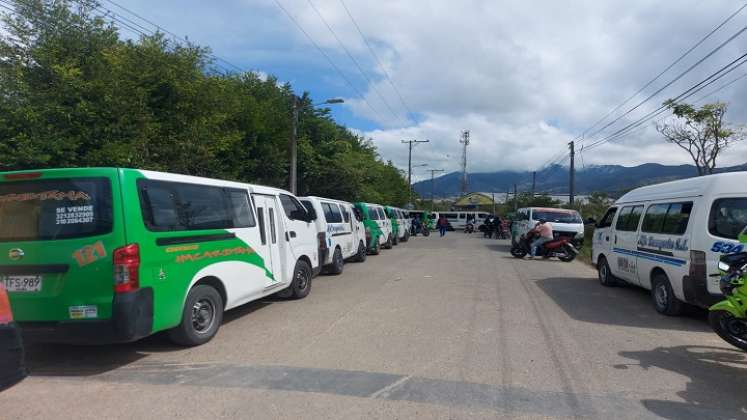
x=352, y=58
x=326, y=56
x=376, y=57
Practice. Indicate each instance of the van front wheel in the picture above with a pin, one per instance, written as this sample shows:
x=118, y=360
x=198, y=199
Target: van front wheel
x=301, y=285
x=201, y=317
x=663, y=296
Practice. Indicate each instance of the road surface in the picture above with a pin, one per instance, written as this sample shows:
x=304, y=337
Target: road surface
x=451, y=328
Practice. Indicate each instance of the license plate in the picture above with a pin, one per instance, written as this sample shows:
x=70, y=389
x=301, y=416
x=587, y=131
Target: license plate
x=22, y=283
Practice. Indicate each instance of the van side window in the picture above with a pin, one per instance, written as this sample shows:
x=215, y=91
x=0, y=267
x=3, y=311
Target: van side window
x=273, y=234
x=607, y=218
x=667, y=218
x=261, y=217
x=728, y=217
x=628, y=218
x=332, y=213
x=173, y=206
x=293, y=209
x=345, y=215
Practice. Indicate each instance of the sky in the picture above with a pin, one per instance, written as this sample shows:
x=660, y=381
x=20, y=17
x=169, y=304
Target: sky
x=524, y=77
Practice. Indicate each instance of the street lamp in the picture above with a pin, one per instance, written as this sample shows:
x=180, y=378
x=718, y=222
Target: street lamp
x=293, y=141
x=409, y=178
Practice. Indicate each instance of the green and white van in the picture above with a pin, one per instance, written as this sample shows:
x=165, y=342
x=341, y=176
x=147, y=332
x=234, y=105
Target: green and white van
x=96, y=255
x=378, y=227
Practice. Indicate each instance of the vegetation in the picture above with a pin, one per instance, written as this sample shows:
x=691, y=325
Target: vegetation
x=76, y=94
x=702, y=133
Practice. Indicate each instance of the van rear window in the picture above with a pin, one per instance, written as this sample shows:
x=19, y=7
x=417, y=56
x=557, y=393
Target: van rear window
x=728, y=217
x=55, y=209
x=557, y=216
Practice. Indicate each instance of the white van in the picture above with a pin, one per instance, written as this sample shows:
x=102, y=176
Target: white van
x=458, y=219
x=340, y=232
x=403, y=231
x=378, y=215
x=668, y=238
x=565, y=223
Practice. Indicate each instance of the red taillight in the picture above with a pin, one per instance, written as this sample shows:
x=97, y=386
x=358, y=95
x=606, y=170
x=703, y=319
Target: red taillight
x=126, y=268
x=24, y=175
x=6, y=315
x=322, y=240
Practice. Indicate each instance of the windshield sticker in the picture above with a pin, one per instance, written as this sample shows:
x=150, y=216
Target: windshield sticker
x=46, y=195
x=668, y=243
x=74, y=215
x=89, y=254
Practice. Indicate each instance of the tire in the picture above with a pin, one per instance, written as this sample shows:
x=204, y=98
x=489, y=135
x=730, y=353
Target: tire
x=388, y=243
x=407, y=237
x=338, y=263
x=604, y=274
x=362, y=253
x=426, y=232
x=201, y=317
x=665, y=302
x=376, y=250
x=518, y=252
x=569, y=255
x=395, y=240
x=729, y=328
x=301, y=284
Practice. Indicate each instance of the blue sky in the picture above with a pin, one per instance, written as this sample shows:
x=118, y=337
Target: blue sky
x=524, y=77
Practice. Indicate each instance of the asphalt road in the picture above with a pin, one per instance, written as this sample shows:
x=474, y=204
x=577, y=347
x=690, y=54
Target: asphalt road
x=448, y=327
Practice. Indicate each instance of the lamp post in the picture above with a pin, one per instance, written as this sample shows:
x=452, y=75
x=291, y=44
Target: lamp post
x=293, y=141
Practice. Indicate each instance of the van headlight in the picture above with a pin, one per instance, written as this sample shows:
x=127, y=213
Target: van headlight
x=723, y=266
x=579, y=235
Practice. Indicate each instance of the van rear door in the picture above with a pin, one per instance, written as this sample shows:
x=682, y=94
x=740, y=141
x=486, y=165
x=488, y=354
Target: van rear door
x=58, y=231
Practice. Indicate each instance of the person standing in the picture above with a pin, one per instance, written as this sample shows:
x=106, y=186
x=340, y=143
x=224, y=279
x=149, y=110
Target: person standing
x=443, y=225
x=544, y=234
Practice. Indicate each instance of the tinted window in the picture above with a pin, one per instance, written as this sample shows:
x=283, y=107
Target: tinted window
x=607, y=219
x=449, y=215
x=55, y=209
x=557, y=216
x=655, y=216
x=332, y=213
x=728, y=217
x=272, y=226
x=628, y=218
x=172, y=206
x=667, y=218
x=261, y=217
x=345, y=214
x=373, y=213
x=293, y=209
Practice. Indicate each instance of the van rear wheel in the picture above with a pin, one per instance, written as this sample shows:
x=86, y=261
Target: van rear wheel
x=338, y=263
x=388, y=243
x=376, y=247
x=663, y=296
x=395, y=240
x=201, y=317
x=362, y=252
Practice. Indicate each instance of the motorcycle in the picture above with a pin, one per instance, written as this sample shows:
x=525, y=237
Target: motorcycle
x=470, y=228
x=558, y=247
x=728, y=318
x=414, y=230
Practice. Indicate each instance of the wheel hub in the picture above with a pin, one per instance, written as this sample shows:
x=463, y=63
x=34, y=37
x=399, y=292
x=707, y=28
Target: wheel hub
x=203, y=315
x=736, y=327
x=661, y=296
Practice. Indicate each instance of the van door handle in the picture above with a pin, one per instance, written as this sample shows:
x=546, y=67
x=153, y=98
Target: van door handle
x=292, y=234
x=607, y=238
x=615, y=239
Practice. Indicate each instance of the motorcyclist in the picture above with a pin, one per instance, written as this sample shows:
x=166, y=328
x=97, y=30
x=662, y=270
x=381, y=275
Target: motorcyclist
x=415, y=224
x=543, y=230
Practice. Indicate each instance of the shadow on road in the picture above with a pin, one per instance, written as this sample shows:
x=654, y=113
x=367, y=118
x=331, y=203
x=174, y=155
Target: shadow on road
x=500, y=247
x=584, y=299
x=717, y=381
x=44, y=359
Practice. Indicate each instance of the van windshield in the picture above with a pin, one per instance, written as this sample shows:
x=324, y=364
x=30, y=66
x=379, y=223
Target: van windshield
x=55, y=209
x=557, y=216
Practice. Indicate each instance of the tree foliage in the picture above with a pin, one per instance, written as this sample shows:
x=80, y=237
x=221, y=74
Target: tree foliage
x=74, y=93
x=702, y=133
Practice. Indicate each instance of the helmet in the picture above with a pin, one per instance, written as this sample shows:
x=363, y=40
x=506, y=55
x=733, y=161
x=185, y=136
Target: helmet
x=543, y=221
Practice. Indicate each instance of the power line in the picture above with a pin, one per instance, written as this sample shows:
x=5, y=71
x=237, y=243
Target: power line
x=670, y=83
x=357, y=65
x=680, y=58
x=173, y=35
x=733, y=65
x=376, y=57
x=332, y=63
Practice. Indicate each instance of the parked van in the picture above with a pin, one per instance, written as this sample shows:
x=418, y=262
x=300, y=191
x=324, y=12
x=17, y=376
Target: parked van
x=565, y=223
x=458, y=219
x=668, y=238
x=400, y=226
x=378, y=227
x=340, y=232
x=404, y=222
x=97, y=255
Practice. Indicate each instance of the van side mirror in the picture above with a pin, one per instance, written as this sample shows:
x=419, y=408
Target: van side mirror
x=591, y=221
x=312, y=214
x=301, y=215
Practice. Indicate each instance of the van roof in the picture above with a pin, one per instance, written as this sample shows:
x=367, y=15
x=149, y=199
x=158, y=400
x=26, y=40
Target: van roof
x=732, y=182
x=332, y=200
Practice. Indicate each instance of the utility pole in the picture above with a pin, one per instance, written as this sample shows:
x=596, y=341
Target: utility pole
x=410, y=143
x=433, y=180
x=572, y=187
x=493, y=202
x=516, y=199
x=534, y=182
x=465, y=141
x=293, y=146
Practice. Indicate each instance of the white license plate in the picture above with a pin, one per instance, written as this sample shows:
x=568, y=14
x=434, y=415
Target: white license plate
x=22, y=283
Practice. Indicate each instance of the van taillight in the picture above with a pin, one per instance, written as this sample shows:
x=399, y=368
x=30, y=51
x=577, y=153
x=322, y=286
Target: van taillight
x=698, y=265
x=6, y=315
x=126, y=268
x=322, y=240
x=23, y=175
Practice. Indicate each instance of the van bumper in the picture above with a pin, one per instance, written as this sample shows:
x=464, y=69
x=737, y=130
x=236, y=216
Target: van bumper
x=132, y=319
x=696, y=292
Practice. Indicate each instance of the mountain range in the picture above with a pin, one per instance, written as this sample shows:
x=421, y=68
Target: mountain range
x=612, y=179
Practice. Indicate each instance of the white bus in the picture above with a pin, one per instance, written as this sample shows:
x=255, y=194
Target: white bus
x=668, y=238
x=340, y=232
